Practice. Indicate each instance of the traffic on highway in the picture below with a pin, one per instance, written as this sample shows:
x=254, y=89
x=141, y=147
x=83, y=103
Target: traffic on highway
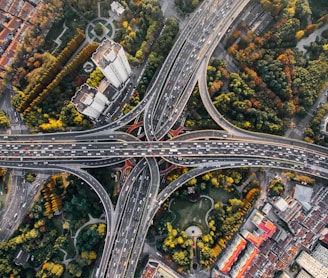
x=201, y=151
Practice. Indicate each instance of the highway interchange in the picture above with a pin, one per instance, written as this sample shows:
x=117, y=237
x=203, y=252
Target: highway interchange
x=203, y=151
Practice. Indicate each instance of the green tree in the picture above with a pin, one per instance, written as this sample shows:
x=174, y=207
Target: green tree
x=276, y=187
x=99, y=29
x=75, y=269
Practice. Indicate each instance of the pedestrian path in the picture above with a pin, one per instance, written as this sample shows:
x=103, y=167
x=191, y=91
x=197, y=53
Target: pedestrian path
x=311, y=38
x=58, y=40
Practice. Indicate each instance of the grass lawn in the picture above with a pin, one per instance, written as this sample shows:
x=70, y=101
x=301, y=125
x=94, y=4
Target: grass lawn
x=89, y=31
x=189, y=213
x=58, y=256
x=99, y=20
x=57, y=222
x=219, y=194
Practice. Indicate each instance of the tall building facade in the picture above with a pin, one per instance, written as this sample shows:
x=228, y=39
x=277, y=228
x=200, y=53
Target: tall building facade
x=89, y=101
x=111, y=60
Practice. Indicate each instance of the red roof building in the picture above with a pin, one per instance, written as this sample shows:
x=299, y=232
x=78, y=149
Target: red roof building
x=231, y=254
x=245, y=263
x=3, y=62
x=15, y=7
x=26, y=10
x=266, y=229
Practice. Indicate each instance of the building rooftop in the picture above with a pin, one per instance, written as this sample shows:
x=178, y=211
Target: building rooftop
x=263, y=223
x=22, y=257
x=254, y=238
x=311, y=265
x=106, y=53
x=14, y=14
x=231, y=254
x=156, y=269
x=26, y=10
x=267, y=208
x=320, y=253
x=89, y=101
x=245, y=262
x=117, y=7
x=303, y=274
x=289, y=212
x=303, y=194
x=281, y=204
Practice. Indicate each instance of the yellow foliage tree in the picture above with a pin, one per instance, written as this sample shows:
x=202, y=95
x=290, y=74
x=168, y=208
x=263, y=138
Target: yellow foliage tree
x=92, y=255
x=101, y=229
x=125, y=24
x=85, y=255
x=180, y=240
x=299, y=34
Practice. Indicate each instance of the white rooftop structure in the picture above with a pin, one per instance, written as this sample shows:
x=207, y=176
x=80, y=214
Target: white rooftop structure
x=311, y=265
x=284, y=275
x=267, y=208
x=287, y=208
x=89, y=101
x=303, y=274
x=281, y=204
x=303, y=194
x=320, y=253
x=111, y=60
x=117, y=8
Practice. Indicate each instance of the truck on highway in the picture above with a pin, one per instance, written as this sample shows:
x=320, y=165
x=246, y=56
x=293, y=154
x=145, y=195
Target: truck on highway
x=97, y=272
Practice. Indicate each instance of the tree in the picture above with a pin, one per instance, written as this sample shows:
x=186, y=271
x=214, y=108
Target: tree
x=215, y=182
x=99, y=29
x=180, y=257
x=50, y=269
x=302, y=9
x=74, y=269
x=299, y=34
x=192, y=181
x=276, y=188
x=30, y=177
x=235, y=204
x=4, y=121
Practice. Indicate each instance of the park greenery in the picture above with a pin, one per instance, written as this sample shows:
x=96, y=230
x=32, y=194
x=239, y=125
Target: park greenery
x=47, y=233
x=196, y=115
x=4, y=121
x=294, y=176
x=276, y=187
x=29, y=177
x=138, y=29
x=4, y=176
x=230, y=207
x=186, y=6
x=276, y=81
x=312, y=132
x=160, y=50
x=239, y=102
x=99, y=29
x=46, y=79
